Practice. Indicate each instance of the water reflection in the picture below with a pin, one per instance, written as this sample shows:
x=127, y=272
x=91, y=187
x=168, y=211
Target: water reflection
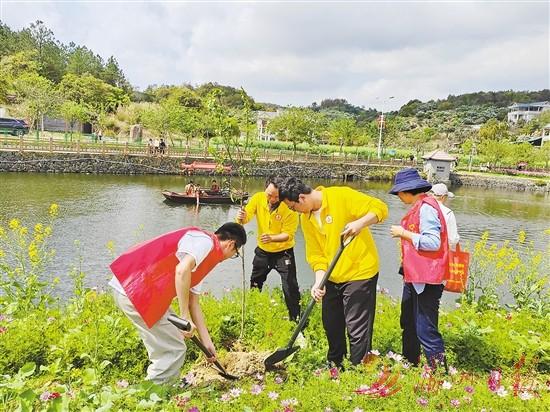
x=95, y=209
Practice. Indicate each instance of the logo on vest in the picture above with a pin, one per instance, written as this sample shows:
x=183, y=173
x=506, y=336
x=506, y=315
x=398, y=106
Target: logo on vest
x=328, y=219
x=278, y=217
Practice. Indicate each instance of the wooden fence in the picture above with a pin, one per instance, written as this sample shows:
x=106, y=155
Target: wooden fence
x=50, y=145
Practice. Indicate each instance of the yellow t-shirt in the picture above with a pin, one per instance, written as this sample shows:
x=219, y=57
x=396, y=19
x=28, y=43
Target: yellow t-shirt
x=340, y=206
x=281, y=220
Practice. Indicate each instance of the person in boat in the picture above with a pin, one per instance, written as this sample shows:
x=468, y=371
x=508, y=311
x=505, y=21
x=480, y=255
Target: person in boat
x=215, y=187
x=349, y=296
x=277, y=226
x=149, y=276
x=425, y=254
x=189, y=189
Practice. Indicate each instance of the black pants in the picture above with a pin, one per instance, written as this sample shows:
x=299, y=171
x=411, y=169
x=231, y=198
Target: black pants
x=419, y=322
x=349, y=305
x=284, y=263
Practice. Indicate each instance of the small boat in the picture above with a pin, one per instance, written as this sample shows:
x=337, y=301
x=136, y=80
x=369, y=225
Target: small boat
x=206, y=197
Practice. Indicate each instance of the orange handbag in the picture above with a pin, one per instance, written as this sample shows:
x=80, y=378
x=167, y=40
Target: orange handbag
x=458, y=270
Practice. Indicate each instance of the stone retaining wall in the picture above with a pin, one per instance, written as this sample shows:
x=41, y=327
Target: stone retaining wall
x=117, y=164
x=507, y=183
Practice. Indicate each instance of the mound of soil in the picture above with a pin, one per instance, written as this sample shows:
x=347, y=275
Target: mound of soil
x=239, y=364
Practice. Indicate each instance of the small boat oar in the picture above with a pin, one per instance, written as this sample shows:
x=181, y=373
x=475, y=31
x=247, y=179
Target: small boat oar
x=186, y=326
x=283, y=353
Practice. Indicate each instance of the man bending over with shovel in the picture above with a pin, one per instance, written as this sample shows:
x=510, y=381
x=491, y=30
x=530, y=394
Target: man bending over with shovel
x=349, y=296
x=149, y=276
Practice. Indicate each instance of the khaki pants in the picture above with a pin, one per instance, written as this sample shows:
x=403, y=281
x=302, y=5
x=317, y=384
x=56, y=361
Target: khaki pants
x=164, y=343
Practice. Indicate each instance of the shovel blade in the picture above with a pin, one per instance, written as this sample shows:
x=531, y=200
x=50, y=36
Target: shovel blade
x=228, y=376
x=279, y=355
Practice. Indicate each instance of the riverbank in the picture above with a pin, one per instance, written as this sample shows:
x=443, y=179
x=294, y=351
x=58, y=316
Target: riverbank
x=136, y=165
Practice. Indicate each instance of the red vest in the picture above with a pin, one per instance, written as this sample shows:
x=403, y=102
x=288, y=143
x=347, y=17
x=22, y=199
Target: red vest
x=147, y=272
x=421, y=266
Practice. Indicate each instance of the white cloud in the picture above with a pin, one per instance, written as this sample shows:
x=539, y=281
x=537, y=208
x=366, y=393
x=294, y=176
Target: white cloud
x=296, y=53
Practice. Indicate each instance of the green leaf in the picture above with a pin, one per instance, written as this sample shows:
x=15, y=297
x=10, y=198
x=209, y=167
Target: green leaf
x=27, y=369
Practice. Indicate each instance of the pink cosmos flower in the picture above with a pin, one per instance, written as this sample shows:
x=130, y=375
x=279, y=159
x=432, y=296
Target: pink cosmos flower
x=333, y=373
x=225, y=397
x=469, y=389
x=525, y=396
x=259, y=377
x=452, y=370
x=278, y=380
x=273, y=395
x=422, y=401
x=494, y=380
x=358, y=410
x=46, y=396
x=236, y=392
x=446, y=385
x=193, y=409
x=289, y=402
x=256, y=389
x=190, y=378
x=122, y=384
x=181, y=401
x=502, y=392
x=455, y=403
x=426, y=372
x=317, y=372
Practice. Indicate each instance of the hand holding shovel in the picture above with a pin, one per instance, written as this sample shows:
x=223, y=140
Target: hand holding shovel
x=283, y=353
x=184, y=325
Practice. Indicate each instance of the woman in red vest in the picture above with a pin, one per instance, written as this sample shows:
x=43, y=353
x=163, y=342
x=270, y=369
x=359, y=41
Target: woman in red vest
x=425, y=253
x=150, y=275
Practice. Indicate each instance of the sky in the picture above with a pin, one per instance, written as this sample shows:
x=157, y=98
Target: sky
x=371, y=53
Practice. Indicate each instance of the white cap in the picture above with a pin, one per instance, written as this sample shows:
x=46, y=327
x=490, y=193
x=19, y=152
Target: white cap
x=440, y=189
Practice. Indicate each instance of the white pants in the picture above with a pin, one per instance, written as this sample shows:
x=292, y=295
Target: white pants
x=164, y=342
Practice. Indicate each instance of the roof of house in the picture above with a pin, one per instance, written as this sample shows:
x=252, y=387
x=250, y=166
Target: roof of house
x=439, y=155
x=534, y=104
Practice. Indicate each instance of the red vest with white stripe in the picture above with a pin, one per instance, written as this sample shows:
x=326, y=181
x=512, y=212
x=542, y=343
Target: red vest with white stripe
x=422, y=266
x=147, y=272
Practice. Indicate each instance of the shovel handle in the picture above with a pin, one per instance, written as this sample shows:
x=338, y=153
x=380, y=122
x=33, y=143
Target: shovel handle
x=311, y=304
x=182, y=324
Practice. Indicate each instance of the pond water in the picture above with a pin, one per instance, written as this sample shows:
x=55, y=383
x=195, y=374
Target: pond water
x=96, y=209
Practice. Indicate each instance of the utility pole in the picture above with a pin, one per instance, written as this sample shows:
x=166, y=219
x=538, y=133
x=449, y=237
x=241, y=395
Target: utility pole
x=381, y=124
x=380, y=127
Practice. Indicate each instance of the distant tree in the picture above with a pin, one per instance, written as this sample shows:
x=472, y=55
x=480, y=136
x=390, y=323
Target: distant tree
x=419, y=138
x=522, y=152
x=113, y=75
x=94, y=93
x=50, y=55
x=494, y=130
x=73, y=112
x=38, y=97
x=11, y=68
x=343, y=131
x=82, y=60
x=494, y=151
x=296, y=125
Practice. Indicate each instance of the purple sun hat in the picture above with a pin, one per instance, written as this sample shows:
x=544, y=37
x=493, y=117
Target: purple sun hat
x=408, y=179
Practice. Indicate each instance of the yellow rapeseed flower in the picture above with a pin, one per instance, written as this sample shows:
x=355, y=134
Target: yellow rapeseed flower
x=522, y=236
x=14, y=224
x=54, y=210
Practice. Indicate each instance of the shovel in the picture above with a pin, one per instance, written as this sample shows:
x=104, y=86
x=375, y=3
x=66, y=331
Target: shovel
x=186, y=326
x=283, y=353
